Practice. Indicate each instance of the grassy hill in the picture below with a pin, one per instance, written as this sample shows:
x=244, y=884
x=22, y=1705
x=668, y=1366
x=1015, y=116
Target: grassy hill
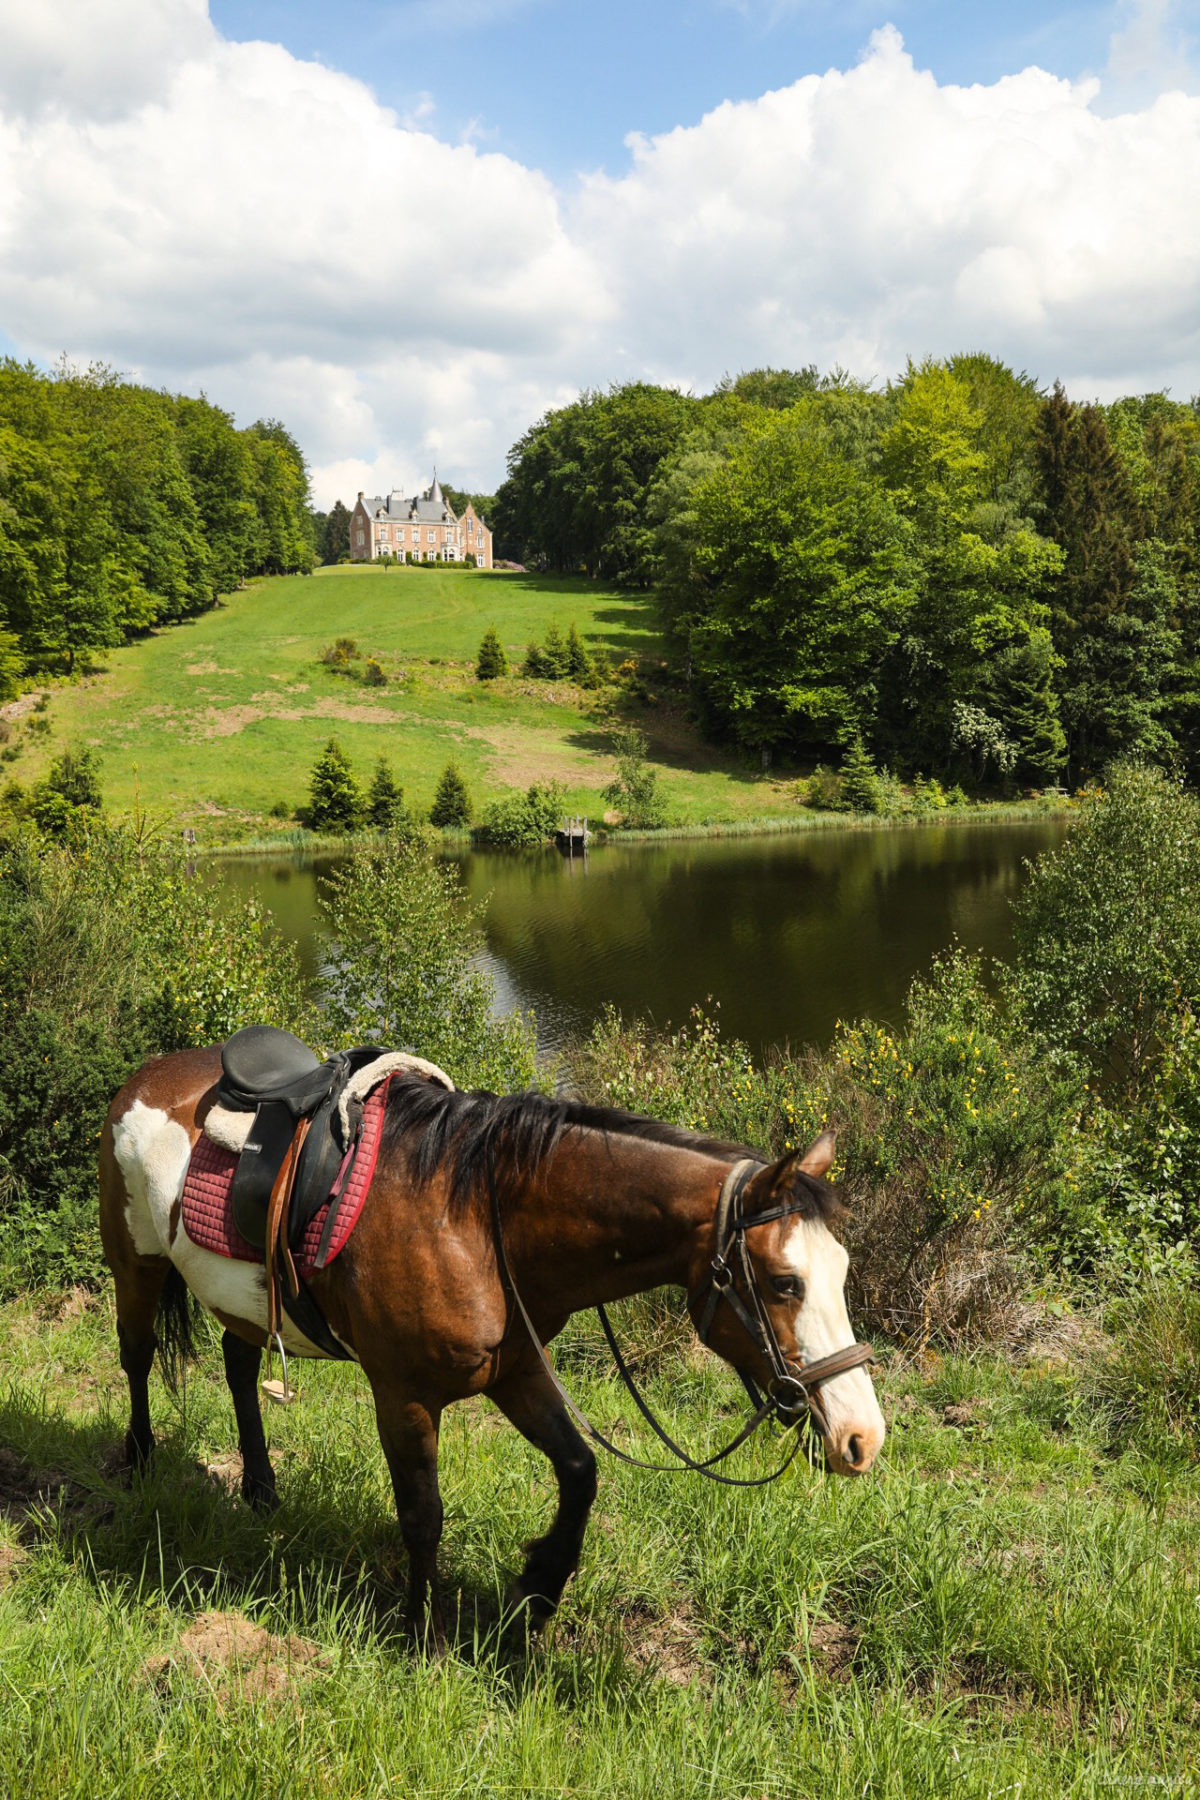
x=213, y=723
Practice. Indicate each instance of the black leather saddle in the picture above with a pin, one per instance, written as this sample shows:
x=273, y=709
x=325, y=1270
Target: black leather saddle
x=274, y=1075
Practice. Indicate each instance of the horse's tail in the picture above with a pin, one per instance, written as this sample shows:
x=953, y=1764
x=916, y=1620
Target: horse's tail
x=179, y=1313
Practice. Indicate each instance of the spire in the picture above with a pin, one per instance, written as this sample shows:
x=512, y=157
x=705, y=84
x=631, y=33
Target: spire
x=435, y=493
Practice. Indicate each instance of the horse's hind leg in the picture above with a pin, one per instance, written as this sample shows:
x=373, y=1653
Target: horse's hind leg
x=242, y=1364
x=139, y=1287
x=533, y=1404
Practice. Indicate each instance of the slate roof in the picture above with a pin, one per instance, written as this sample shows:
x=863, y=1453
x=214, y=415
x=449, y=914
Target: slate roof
x=429, y=508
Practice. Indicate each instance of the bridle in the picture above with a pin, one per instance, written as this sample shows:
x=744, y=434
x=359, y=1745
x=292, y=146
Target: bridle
x=793, y=1388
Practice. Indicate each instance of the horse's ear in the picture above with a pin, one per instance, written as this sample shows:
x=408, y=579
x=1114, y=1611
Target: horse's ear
x=818, y=1158
x=771, y=1185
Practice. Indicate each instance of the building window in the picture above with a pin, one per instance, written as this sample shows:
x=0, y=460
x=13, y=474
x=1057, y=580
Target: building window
x=359, y=539
x=431, y=537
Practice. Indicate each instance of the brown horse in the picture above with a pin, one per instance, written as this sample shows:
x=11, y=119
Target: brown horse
x=595, y=1204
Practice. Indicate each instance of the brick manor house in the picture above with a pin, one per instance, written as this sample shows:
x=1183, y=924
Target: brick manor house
x=423, y=528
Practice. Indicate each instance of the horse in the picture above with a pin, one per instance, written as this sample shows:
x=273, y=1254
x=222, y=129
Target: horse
x=593, y=1203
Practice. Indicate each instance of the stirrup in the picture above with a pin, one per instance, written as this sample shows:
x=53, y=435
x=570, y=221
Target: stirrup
x=281, y=1392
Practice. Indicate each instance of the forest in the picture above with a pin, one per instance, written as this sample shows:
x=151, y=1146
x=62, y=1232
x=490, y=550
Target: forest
x=123, y=508
x=977, y=578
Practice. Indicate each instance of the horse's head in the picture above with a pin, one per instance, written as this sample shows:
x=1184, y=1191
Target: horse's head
x=799, y=1269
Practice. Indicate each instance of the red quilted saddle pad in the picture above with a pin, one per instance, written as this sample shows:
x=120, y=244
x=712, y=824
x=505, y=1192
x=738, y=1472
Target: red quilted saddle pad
x=208, y=1187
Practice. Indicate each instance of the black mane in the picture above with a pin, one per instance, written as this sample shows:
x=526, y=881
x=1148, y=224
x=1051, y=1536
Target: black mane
x=440, y=1131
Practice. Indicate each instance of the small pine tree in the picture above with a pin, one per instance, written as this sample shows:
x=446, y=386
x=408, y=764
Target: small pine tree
x=554, y=655
x=579, y=663
x=532, y=666
x=334, y=800
x=451, y=803
x=492, y=660
x=860, y=780
x=385, y=798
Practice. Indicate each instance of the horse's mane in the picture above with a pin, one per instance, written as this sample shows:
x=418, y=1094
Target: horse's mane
x=452, y=1133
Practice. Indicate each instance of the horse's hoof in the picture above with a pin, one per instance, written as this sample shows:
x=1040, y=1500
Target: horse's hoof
x=261, y=1495
x=530, y=1611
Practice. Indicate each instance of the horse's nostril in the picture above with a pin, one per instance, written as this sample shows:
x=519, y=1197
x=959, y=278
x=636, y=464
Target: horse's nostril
x=854, y=1450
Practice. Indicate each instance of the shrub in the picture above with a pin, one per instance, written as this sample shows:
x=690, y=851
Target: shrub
x=823, y=790
x=109, y=954
x=405, y=970
x=554, y=655
x=341, y=654
x=491, y=661
x=1107, y=930
x=385, y=798
x=860, y=781
x=69, y=798
x=635, y=791
x=334, y=799
x=522, y=820
x=373, y=673
x=1144, y=1375
x=451, y=803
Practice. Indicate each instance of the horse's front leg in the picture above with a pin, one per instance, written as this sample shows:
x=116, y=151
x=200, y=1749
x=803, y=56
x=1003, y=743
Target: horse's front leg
x=408, y=1431
x=531, y=1401
x=242, y=1364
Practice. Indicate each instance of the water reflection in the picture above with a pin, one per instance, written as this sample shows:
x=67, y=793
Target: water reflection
x=787, y=933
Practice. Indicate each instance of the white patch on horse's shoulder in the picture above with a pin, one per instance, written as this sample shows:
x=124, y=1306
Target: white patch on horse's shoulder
x=152, y=1150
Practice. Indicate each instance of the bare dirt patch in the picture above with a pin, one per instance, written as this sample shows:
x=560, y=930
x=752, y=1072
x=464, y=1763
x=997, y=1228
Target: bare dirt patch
x=669, y=1647
x=518, y=759
x=11, y=1558
x=225, y=1649
x=833, y=1647
x=18, y=708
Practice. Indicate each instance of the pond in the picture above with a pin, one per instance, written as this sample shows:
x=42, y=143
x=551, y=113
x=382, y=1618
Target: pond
x=787, y=934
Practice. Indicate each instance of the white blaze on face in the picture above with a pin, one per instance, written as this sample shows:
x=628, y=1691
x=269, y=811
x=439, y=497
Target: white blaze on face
x=153, y=1150
x=822, y=1326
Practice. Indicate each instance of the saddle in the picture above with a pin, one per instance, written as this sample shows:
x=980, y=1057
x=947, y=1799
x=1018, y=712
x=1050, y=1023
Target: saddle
x=296, y=1157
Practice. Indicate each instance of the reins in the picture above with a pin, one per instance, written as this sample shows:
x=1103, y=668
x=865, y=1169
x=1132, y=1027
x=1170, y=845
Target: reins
x=792, y=1387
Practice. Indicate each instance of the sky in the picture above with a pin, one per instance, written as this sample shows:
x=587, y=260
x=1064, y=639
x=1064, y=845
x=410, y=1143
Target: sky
x=408, y=227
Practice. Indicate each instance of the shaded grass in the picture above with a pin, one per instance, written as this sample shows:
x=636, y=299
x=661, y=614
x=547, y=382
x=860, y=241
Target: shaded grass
x=1000, y=1604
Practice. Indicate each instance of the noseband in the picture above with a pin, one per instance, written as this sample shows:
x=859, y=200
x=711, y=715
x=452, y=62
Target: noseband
x=793, y=1386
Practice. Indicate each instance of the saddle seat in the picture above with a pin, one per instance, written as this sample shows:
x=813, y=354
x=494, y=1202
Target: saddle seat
x=264, y=1063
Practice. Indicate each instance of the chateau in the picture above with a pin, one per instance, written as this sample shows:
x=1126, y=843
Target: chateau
x=420, y=528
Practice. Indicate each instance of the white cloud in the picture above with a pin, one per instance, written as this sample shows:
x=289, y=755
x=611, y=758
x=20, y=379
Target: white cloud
x=862, y=217
x=227, y=216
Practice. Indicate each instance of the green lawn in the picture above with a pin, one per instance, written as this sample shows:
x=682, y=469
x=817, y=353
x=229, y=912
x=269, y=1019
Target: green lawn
x=1002, y=1607
x=212, y=723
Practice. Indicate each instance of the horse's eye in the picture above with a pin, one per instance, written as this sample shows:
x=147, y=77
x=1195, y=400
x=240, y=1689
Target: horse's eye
x=790, y=1287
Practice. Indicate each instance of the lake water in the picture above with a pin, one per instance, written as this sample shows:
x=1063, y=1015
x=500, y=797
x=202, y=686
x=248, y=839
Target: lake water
x=787, y=933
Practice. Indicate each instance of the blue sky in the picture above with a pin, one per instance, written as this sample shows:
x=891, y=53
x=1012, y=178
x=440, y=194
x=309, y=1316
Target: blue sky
x=560, y=83
x=408, y=229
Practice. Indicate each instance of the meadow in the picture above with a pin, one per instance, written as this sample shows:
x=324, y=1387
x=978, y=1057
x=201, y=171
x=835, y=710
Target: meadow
x=1005, y=1605
x=210, y=724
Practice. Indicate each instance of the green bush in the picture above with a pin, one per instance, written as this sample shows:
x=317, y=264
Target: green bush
x=1107, y=930
x=491, y=661
x=823, y=790
x=860, y=779
x=405, y=970
x=110, y=952
x=451, y=803
x=1144, y=1374
x=523, y=820
x=334, y=798
x=635, y=791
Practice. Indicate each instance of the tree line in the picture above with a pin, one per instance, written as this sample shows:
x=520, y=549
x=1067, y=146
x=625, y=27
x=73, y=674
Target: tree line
x=977, y=578
x=122, y=508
